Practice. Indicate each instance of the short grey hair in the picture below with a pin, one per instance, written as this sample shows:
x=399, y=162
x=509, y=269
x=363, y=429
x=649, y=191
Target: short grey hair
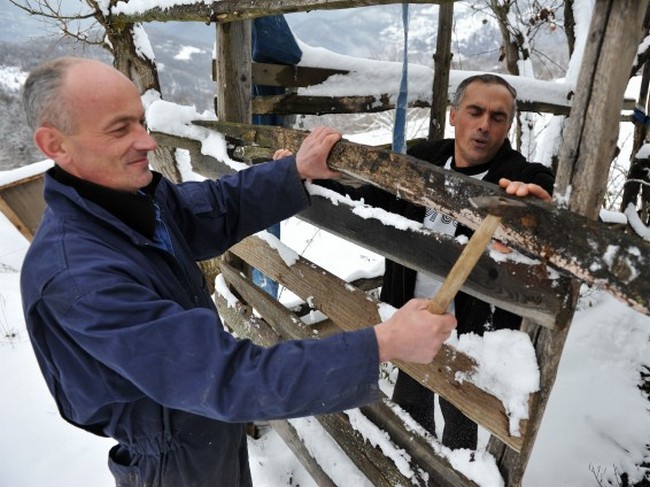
x=488, y=79
x=42, y=95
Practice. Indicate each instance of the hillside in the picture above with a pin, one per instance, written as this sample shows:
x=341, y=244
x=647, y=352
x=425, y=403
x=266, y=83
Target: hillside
x=184, y=54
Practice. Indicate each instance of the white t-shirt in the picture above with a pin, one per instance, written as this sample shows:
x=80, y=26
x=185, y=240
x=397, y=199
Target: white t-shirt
x=427, y=286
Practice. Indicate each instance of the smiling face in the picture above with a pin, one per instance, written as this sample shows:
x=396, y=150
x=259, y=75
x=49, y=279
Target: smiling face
x=109, y=143
x=482, y=121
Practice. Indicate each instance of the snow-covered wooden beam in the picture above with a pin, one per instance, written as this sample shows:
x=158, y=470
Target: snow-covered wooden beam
x=584, y=248
x=224, y=11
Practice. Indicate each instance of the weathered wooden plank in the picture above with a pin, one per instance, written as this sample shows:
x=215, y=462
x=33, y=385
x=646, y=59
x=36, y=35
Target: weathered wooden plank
x=522, y=288
x=303, y=76
x=438, y=468
x=352, y=309
x=225, y=11
x=321, y=105
x=233, y=101
x=23, y=204
x=292, y=103
x=527, y=288
x=591, y=136
x=441, y=67
x=378, y=469
x=290, y=76
x=586, y=249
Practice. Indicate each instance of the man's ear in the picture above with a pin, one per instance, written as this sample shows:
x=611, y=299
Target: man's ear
x=49, y=141
x=452, y=116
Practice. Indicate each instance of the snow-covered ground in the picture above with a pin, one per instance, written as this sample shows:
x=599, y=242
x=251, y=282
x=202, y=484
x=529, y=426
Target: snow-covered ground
x=596, y=425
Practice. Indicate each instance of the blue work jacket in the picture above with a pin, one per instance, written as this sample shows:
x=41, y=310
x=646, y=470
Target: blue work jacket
x=131, y=346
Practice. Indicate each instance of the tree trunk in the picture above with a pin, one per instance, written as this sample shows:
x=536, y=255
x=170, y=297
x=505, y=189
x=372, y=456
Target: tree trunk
x=584, y=162
x=143, y=72
x=442, y=63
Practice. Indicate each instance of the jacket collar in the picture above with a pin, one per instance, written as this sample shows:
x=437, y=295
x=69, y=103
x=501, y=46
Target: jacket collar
x=136, y=210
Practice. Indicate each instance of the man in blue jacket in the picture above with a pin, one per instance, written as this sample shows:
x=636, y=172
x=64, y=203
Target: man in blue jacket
x=123, y=327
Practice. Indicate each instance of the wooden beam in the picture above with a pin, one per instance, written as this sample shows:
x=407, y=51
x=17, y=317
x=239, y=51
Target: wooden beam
x=225, y=11
x=352, y=309
x=586, y=249
x=522, y=288
x=437, y=466
x=585, y=156
x=233, y=102
x=291, y=76
x=442, y=65
x=321, y=105
x=288, y=433
x=591, y=136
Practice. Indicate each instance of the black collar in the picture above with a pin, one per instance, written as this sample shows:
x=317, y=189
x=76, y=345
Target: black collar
x=134, y=209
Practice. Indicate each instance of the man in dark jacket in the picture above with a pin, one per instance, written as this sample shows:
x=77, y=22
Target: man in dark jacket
x=482, y=113
x=125, y=332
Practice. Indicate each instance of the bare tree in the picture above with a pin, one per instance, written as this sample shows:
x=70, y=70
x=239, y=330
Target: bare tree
x=92, y=25
x=520, y=22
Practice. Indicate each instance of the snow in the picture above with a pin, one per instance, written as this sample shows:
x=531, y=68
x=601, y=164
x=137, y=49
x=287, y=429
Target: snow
x=506, y=368
x=11, y=77
x=185, y=53
x=372, y=77
x=636, y=223
x=596, y=423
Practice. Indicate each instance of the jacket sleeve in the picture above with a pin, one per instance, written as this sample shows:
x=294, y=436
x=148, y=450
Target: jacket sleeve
x=213, y=215
x=120, y=342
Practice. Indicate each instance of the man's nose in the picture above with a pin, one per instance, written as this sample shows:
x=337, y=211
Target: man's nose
x=145, y=141
x=484, y=123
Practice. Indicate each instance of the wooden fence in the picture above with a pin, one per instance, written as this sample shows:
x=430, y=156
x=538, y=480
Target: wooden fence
x=546, y=304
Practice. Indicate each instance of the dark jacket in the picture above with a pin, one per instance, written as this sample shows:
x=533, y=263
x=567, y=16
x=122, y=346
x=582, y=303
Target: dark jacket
x=129, y=340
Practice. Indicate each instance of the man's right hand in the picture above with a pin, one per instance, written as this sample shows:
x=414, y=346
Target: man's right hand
x=413, y=334
x=311, y=158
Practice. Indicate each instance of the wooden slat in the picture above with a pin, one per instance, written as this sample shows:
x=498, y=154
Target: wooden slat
x=288, y=433
x=521, y=288
x=352, y=309
x=320, y=105
x=290, y=76
x=439, y=470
